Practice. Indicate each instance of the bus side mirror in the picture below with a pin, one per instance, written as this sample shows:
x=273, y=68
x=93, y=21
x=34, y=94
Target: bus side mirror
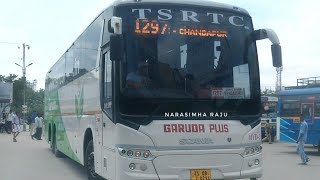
x=276, y=55
x=115, y=25
x=110, y=29
x=116, y=47
x=275, y=47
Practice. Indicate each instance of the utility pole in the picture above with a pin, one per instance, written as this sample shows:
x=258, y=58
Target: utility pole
x=279, y=80
x=24, y=71
x=278, y=89
x=24, y=109
x=24, y=46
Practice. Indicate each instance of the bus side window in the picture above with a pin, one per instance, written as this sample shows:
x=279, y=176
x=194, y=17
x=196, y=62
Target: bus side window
x=290, y=109
x=107, y=84
x=307, y=110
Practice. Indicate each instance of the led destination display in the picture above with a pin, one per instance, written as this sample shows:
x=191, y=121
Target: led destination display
x=143, y=26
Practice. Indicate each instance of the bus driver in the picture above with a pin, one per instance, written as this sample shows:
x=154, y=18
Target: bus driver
x=138, y=80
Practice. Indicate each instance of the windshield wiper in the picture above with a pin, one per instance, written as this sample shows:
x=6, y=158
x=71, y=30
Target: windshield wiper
x=149, y=117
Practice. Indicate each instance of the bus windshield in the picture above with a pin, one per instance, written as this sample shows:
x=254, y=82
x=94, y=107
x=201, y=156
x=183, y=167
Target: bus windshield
x=188, y=54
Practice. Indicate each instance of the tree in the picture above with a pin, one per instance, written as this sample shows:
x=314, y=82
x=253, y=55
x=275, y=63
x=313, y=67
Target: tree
x=10, y=78
x=268, y=92
x=2, y=78
x=18, y=86
x=34, y=99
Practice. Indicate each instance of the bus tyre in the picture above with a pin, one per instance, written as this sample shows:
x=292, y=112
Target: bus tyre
x=253, y=179
x=55, y=150
x=89, y=162
x=51, y=144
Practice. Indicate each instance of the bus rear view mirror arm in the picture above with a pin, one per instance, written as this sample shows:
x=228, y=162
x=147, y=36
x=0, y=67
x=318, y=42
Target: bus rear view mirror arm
x=264, y=34
x=275, y=47
x=116, y=47
x=116, y=39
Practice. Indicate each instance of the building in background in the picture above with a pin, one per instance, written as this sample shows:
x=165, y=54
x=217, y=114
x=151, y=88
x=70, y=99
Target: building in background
x=33, y=84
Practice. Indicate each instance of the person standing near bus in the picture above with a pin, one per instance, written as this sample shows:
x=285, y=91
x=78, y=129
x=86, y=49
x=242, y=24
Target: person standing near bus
x=15, y=126
x=139, y=78
x=9, y=123
x=138, y=81
x=38, y=125
x=31, y=125
x=268, y=133
x=302, y=138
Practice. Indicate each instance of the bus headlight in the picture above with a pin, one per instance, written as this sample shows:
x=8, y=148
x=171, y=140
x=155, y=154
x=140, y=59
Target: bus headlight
x=249, y=151
x=136, y=153
x=146, y=154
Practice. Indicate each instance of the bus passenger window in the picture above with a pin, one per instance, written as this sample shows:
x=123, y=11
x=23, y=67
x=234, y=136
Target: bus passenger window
x=317, y=109
x=307, y=110
x=290, y=109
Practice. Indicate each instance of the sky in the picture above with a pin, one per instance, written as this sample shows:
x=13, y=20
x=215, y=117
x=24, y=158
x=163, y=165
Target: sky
x=50, y=27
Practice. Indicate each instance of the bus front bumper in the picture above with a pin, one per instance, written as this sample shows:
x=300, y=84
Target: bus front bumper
x=252, y=166
x=222, y=166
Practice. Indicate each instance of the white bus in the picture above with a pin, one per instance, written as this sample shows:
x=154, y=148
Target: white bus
x=161, y=90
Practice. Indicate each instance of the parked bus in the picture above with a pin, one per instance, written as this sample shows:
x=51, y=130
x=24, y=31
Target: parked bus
x=269, y=106
x=6, y=96
x=161, y=90
x=300, y=100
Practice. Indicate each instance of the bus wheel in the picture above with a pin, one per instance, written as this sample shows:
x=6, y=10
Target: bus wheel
x=253, y=179
x=55, y=150
x=51, y=144
x=89, y=162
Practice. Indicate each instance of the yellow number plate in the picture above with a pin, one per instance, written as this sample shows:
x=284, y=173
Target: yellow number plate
x=201, y=174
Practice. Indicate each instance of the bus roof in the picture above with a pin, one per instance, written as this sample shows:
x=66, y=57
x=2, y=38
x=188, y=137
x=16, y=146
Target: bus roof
x=206, y=3
x=305, y=91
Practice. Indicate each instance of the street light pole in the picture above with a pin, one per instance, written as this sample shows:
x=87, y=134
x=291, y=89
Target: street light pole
x=24, y=71
x=24, y=46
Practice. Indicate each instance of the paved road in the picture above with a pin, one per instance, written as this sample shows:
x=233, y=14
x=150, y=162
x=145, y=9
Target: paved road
x=281, y=162
x=33, y=160
x=30, y=159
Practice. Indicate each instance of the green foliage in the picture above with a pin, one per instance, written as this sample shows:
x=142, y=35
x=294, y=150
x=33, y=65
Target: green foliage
x=9, y=78
x=34, y=99
x=268, y=92
x=17, y=95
